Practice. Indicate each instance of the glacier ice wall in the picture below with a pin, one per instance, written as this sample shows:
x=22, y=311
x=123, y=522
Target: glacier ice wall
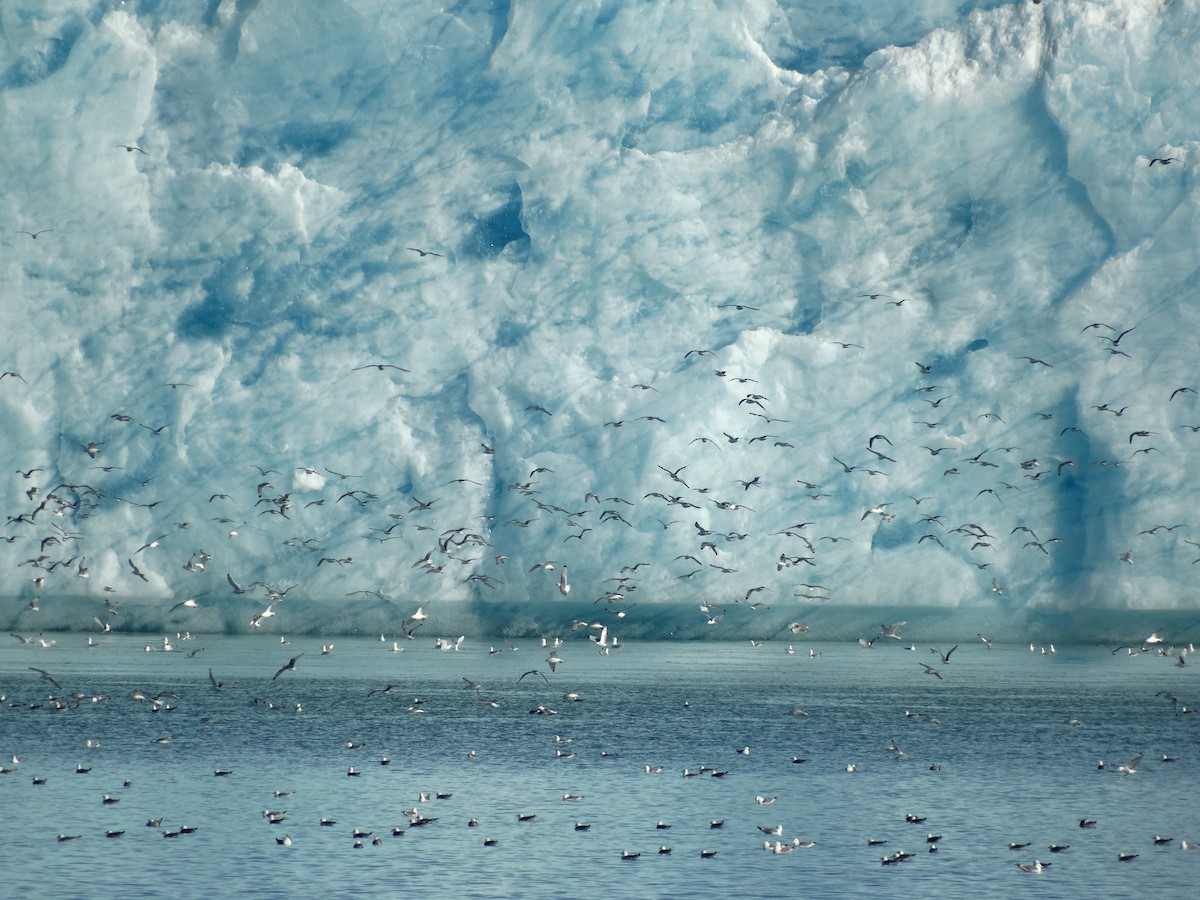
x=787, y=311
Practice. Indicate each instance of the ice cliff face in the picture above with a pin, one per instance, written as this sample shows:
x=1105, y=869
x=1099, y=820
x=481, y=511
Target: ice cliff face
x=743, y=305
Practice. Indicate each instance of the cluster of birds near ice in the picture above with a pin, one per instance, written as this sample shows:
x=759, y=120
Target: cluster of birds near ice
x=734, y=554
x=430, y=806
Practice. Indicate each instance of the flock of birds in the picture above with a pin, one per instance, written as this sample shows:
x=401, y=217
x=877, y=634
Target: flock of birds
x=106, y=533
x=193, y=706
x=736, y=556
x=312, y=529
x=702, y=495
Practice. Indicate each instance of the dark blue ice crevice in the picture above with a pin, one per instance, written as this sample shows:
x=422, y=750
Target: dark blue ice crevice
x=493, y=232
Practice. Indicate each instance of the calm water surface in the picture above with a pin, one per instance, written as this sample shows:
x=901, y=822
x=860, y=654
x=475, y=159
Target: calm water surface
x=990, y=758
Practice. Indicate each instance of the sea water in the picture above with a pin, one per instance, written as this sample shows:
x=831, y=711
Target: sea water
x=839, y=744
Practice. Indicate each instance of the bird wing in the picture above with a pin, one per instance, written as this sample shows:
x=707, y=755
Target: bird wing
x=54, y=681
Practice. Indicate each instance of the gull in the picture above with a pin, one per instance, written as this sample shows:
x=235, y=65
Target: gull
x=423, y=253
x=217, y=685
x=415, y=620
x=190, y=603
x=891, y=631
x=1130, y=768
x=563, y=587
x=150, y=545
x=1165, y=161
x=930, y=670
x=34, y=234
x=379, y=367
x=553, y=659
x=46, y=676
x=289, y=666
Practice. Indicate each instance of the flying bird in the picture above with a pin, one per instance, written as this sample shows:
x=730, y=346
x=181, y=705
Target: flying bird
x=289, y=666
x=47, y=676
